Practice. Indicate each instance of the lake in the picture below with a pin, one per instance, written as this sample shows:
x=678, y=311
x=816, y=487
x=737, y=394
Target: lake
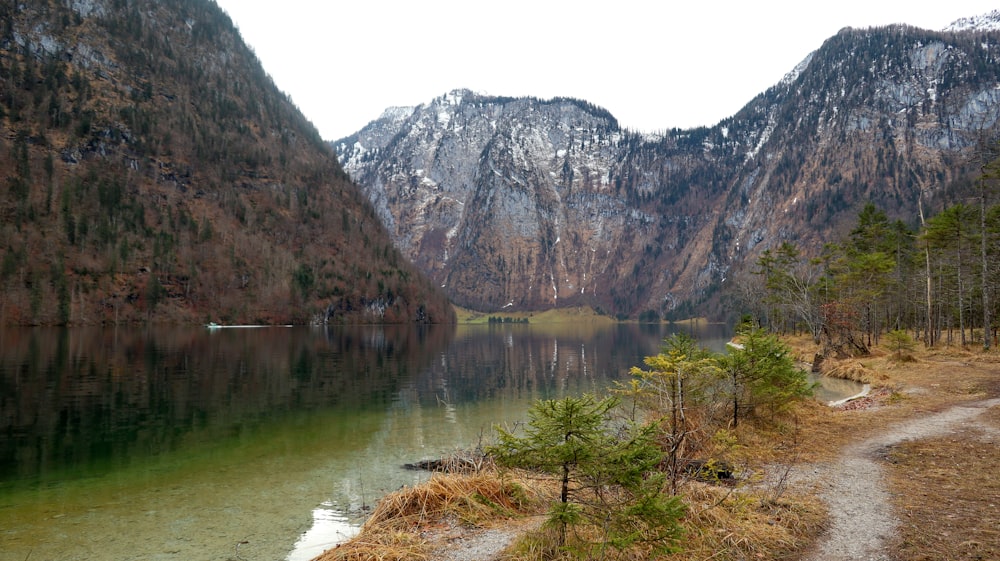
x=260, y=443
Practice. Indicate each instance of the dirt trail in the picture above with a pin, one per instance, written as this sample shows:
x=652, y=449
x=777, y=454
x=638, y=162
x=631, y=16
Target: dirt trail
x=862, y=522
x=854, y=488
x=464, y=544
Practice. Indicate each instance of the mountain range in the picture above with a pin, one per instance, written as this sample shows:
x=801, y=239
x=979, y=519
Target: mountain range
x=528, y=204
x=153, y=171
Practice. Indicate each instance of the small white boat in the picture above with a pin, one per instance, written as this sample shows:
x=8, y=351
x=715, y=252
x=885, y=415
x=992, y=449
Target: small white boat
x=213, y=325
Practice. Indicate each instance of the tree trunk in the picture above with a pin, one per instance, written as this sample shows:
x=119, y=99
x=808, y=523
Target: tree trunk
x=929, y=339
x=987, y=337
x=961, y=292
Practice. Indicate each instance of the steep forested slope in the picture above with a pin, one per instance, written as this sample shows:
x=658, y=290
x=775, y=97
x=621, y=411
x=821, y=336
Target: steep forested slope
x=151, y=170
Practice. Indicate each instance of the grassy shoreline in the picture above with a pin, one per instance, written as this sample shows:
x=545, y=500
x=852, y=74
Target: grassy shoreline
x=562, y=315
x=558, y=315
x=765, y=516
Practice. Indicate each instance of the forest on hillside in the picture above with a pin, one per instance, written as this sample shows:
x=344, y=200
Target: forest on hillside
x=937, y=283
x=152, y=171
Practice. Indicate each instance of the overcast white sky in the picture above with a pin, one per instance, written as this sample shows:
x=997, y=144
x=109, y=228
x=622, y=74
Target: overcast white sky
x=653, y=64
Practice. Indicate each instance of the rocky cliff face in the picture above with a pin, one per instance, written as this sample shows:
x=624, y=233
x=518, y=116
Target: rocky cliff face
x=530, y=204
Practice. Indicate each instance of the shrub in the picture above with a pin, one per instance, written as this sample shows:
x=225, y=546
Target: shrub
x=609, y=478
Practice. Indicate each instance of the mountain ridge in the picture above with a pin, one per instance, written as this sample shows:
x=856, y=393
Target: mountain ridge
x=989, y=21
x=531, y=204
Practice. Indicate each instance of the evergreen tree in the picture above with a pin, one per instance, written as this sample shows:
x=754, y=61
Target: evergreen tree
x=761, y=373
x=866, y=270
x=951, y=235
x=608, y=478
x=680, y=379
x=792, y=282
x=988, y=179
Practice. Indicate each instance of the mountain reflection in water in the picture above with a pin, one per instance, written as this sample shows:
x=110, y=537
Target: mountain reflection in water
x=196, y=440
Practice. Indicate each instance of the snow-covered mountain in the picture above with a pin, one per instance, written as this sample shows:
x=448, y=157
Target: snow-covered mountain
x=528, y=204
x=985, y=22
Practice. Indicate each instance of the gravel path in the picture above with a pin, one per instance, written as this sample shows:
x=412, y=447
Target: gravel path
x=465, y=544
x=478, y=546
x=854, y=487
x=861, y=516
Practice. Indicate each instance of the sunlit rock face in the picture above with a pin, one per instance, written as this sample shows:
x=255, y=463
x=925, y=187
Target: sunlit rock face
x=505, y=202
x=528, y=204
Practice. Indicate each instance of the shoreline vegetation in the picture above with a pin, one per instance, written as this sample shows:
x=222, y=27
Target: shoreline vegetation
x=557, y=315
x=939, y=499
x=466, y=316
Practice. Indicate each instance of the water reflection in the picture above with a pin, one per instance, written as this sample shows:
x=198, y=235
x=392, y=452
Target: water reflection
x=330, y=527
x=94, y=399
x=199, y=440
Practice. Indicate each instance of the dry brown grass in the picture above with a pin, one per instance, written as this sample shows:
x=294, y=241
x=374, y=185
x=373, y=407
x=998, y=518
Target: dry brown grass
x=945, y=492
x=755, y=522
x=933, y=380
x=470, y=498
x=397, y=545
x=944, y=488
x=947, y=495
x=749, y=522
x=851, y=370
x=948, y=507
x=402, y=526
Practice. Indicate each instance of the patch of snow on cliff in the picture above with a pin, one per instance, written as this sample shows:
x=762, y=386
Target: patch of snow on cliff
x=764, y=136
x=984, y=22
x=87, y=7
x=797, y=71
x=397, y=113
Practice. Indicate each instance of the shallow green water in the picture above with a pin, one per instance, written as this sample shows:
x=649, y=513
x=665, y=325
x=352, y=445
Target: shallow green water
x=262, y=443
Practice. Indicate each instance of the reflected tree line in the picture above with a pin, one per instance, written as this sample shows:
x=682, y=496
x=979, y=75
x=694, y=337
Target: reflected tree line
x=99, y=396
x=520, y=361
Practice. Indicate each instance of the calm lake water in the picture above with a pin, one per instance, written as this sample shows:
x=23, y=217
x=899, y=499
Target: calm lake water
x=259, y=443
